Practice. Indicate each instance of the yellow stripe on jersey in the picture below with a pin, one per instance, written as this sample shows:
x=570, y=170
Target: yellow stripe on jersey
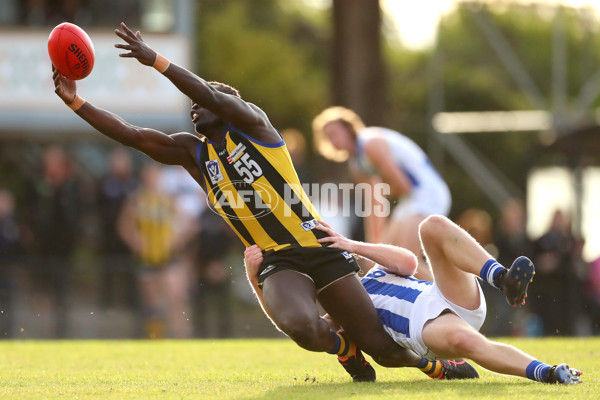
x=288, y=219
x=240, y=169
x=287, y=171
x=154, y=218
x=244, y=215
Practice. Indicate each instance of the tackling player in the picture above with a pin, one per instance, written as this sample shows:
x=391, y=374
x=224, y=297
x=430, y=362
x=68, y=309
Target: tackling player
x=442, y=319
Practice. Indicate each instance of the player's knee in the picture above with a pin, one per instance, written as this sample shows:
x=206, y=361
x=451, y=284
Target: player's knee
x=432, y=227
x=464, y=342
x=305, y=331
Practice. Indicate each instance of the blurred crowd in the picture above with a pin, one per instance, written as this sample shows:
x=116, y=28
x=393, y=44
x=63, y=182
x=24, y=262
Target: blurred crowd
x=145, y=236
x=563, y=299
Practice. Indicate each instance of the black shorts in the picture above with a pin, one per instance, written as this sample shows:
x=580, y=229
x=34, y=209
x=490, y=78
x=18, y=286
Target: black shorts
x=323, y=265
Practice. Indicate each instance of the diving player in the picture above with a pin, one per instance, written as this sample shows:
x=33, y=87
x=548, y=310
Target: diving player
x=242, y=163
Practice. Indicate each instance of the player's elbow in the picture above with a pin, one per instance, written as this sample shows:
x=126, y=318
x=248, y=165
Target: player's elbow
x=406, y=263
x=412, y=263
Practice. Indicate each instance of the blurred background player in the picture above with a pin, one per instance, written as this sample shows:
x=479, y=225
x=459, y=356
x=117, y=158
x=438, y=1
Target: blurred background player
x=190, y=202
x=383, y=155
x=147, y=224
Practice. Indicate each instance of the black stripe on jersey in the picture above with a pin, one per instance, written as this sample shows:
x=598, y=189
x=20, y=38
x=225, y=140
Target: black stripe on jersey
x=270, y=223
x=201, y=145
x=237, y=224
x=278, y=183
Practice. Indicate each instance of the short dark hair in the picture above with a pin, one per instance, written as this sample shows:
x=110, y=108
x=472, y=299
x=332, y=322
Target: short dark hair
x=224, y=88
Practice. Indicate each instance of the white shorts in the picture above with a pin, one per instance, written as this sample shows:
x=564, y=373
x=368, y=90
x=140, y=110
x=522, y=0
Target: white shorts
x=425, y=202
x=429, y=305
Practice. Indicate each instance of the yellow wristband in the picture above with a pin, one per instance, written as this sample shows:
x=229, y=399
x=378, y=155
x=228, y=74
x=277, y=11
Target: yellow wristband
x=161, y=64
x=76, y=103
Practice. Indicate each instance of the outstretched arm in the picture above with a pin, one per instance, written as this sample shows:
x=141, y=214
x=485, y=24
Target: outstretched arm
x=167, y=149
x=230, y=108
x=392, y=258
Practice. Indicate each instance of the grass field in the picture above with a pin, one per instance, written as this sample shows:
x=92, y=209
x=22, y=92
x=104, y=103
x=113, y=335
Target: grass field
x=257, y=369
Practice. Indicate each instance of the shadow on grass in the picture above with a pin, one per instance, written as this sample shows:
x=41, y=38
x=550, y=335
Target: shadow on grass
x=413, y=389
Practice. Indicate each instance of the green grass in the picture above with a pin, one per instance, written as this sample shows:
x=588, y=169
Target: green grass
x=257, y=369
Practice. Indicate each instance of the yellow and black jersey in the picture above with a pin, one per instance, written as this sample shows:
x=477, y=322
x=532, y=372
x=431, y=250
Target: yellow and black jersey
x=255, y=188
x=154, y=219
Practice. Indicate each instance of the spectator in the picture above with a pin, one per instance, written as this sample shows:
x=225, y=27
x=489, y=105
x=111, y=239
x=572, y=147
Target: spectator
x=511, y=242
x=552, y=295
x=592, y=295
x=116, y=269
x=54, y=203
x=9, y=250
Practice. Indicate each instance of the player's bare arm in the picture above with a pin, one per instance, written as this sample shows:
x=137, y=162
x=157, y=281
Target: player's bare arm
x=176, y=149
x=246, y=116
x=378, y=152
x=252, y=259
x=392, y=258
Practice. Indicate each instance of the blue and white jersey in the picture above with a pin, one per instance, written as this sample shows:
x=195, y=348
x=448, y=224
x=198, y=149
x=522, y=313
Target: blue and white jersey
x=429, y=192
x=394, y=297
x=407, y=155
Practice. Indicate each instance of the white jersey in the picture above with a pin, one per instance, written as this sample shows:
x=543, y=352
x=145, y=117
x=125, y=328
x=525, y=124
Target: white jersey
x=429, y=192
x=405, y=304
x=394, y=297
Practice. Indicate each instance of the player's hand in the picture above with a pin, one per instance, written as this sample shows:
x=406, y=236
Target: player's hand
x=64, y=87
x=135, y=45
x=253, y=257
x=338, y=241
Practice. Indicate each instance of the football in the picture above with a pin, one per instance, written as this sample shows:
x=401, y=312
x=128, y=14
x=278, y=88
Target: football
x=71, y=51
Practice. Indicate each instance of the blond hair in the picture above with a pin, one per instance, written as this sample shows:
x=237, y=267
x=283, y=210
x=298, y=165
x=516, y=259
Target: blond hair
x=343, y=115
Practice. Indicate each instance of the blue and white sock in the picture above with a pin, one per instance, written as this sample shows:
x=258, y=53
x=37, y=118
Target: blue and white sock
x=537, y=371
x=490, y=271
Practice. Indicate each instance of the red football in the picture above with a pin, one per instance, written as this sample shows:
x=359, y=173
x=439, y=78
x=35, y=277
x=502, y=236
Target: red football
x=71, y=51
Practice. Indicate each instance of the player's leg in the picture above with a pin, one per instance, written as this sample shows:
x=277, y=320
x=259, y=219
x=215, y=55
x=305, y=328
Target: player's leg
x=150, y=290
x=450, y=336
x=176, y=278
x=290, y=298
x=455, y=256
x=349, y=305
x=404, y=232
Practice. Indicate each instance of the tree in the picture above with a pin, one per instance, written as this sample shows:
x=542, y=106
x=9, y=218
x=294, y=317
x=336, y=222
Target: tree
x=358, y=70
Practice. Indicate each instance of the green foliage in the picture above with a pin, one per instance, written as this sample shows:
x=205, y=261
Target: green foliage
x=274, y=56
x=277, y=53
x=256, y=369
x=475, y=79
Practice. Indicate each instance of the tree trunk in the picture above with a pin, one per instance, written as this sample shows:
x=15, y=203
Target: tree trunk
x=358, y=69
